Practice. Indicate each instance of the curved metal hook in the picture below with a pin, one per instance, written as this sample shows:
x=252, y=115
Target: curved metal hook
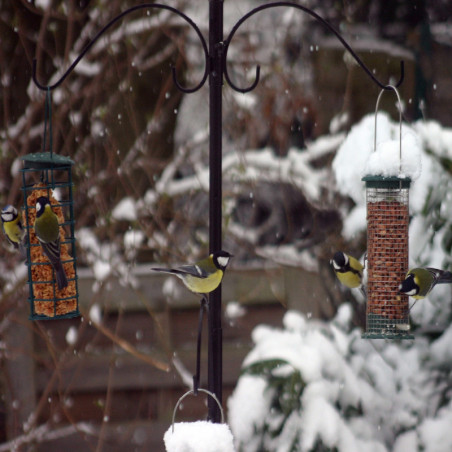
x=315, y=16
x=112, y=22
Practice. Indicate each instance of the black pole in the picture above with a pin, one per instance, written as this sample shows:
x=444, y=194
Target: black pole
x=215, y=351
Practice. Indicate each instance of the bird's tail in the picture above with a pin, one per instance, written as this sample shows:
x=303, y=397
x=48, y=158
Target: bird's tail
x=173, y=271
x=60, y=275
x=22, y=250
x=444, y=277
x=52, y=251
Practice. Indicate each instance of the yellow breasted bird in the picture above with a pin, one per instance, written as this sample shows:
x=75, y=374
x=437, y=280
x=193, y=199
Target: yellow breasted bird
x=349, y=271
x=47, y=231
x=12, y=228
x=419, y=282
x=204, y=276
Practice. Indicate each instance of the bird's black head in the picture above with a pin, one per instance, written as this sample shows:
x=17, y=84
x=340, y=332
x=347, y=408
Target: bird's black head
x=41, y=202
x=409, y=286
x=340, y=260
x=221, y=259
x=9, y=213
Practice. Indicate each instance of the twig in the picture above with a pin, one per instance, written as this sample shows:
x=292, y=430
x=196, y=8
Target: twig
x=128, y=347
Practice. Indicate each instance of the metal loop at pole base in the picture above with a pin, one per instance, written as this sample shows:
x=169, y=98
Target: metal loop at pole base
x=191, y=392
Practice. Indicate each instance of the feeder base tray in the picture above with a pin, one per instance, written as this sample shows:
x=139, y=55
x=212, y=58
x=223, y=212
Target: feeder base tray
x=380, y=327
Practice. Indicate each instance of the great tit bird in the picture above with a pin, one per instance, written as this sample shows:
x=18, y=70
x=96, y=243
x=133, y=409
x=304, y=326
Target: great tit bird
x=204, y=276
x=419, y=282
x=12, y=227
x=47, y=231
x=349, y=271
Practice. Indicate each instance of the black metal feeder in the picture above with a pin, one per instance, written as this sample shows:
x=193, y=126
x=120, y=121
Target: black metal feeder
x=387, y=198
x=49, y=175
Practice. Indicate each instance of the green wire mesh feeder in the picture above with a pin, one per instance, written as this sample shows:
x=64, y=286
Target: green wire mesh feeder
x=387, y=312
x=49, y=175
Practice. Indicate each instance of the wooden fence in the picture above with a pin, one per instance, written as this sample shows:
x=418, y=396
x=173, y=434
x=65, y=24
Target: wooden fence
x=97, y=387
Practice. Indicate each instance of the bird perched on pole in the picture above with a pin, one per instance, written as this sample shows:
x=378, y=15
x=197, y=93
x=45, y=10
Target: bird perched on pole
x=47, y=231
x=349, y=271
x=204, y=276
x=12, y=227
x=201, y=278
x=419, y=282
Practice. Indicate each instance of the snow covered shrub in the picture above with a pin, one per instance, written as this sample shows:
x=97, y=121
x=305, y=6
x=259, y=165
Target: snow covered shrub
x=316, y=387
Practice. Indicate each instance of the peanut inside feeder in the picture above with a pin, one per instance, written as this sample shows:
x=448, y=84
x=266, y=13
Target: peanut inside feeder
x=387, y=256
x=54, y=174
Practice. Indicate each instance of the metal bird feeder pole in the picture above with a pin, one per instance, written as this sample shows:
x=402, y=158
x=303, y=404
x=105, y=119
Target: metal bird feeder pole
x=215, y=335
x=215, y=71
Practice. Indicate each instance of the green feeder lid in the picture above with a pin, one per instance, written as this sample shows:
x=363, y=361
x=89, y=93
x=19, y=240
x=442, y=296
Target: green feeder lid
x=386, y=182
x=45, y=160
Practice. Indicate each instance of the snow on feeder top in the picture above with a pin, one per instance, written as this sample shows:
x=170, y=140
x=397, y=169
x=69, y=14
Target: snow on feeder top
x=45, y=174
x=199, y=436
x=388, y=178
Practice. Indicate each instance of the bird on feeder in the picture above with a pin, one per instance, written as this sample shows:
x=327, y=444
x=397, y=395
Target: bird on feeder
x=12, y=228
x=204, y=276
x=47, y=231
x=419, y=282
x=348, y=270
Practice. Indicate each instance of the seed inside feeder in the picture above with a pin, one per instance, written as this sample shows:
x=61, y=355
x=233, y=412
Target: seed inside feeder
x=46, y=293
x=387, y=256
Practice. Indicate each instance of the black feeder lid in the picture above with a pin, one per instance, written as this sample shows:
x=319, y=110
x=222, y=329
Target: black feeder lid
x=45, y=160
x=393, y=182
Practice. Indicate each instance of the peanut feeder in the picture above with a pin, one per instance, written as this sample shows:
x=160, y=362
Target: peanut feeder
x=387, y=198
x=387, y=313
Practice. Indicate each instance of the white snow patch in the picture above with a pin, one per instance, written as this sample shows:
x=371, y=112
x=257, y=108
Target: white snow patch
x=95, y=313
x=234, y=310
x=72, y=335
x=102, y=270
x=200, y=436
x=125, y=210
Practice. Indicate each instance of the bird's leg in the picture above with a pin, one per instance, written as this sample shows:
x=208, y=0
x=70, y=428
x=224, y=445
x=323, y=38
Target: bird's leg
x=196, y=377
x=364, y=292
x=411, y=307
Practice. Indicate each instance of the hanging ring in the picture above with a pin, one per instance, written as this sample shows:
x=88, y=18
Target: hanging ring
x=191, y=392
x=393, y=88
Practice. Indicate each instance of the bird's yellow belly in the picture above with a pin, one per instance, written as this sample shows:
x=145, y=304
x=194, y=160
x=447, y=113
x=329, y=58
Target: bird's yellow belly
x=13, y=232
x=205, y=285
x=349, y=279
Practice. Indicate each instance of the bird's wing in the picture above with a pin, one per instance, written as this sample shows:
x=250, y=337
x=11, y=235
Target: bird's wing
x=52, y=250
x=192, y=270
x=440, y=276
